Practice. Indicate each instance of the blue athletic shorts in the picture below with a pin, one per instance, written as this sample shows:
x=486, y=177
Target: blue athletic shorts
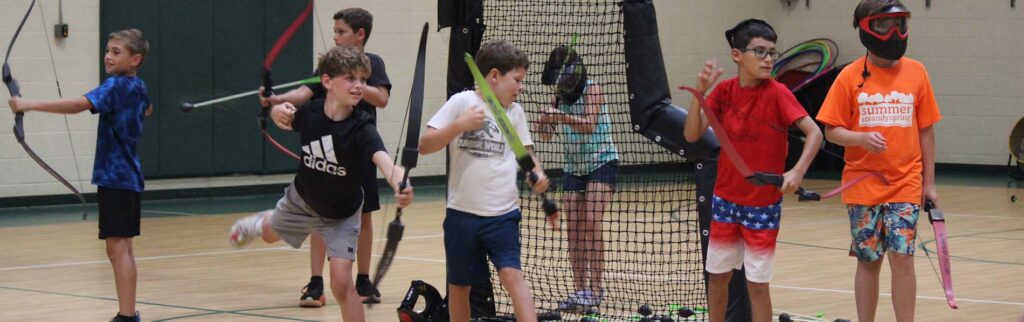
x=470, y=239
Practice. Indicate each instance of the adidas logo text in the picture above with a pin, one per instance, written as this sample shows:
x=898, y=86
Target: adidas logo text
x=319, y=155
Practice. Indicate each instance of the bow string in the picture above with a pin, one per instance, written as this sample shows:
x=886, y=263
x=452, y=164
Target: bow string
x=19, y=127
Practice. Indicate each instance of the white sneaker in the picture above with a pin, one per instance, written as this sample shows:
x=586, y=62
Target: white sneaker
x=589, y=299
x=245, y=230
x=574, y=302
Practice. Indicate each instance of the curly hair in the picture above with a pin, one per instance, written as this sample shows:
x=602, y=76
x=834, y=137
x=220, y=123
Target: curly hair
x=342, y=60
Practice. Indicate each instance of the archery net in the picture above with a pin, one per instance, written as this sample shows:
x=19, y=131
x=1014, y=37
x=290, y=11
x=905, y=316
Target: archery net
x=652, y=249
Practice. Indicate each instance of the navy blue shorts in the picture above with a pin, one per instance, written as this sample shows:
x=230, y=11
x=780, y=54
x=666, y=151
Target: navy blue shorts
x=606, y=173
x=470, y=239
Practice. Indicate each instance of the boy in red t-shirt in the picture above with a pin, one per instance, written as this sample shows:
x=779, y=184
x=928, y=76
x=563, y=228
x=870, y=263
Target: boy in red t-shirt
x=882, y=108
x=754, y=110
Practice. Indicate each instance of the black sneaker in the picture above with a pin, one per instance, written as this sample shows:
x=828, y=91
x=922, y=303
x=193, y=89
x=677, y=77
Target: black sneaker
x=122, y=318
x=313, y=295
x=366, y=289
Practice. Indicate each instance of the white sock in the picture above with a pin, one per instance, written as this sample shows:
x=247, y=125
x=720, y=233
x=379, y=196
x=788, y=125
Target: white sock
x=259, y=222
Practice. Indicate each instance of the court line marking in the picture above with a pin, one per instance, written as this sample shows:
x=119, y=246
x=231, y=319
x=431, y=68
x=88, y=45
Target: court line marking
x=433, y=260
x=816, y=222
x=959, y=299
x=140, y=259
x=922, y=245
x=2, y=269
x=408, y=258
x=936, y=298
x=209, y=311
x=150, y=258
x=238, y=312
x=171, y=213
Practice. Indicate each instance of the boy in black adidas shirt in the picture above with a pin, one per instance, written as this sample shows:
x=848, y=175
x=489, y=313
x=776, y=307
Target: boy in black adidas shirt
x=326, y=195
x=352, y=27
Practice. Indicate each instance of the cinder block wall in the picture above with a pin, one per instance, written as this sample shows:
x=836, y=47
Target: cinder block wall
x=973, y=51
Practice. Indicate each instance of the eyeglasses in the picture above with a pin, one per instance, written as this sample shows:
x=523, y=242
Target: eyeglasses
x=762, y=53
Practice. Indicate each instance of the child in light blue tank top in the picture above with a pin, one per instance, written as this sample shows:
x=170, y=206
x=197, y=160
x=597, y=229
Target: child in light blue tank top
x=586, y=151
x=590, y=165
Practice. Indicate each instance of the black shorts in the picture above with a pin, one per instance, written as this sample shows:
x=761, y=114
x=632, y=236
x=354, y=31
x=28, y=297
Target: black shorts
x=606, y=173
x=371, y=198
x=120, y=212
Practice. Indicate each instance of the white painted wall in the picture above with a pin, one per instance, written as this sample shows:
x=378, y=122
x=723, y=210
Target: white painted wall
x=61, y=142
x=973, y=50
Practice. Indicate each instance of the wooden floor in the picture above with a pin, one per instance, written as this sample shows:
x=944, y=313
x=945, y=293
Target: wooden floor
x=56, y=270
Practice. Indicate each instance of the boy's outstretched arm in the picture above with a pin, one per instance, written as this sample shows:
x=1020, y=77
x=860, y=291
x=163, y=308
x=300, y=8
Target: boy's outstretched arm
x=436, y=139
x=812, y=142
x=872, y=141
x=376, y=95
x=393, y=174
x=70, y=105
x=927, y=138
x=695, y=126
x=296, y=96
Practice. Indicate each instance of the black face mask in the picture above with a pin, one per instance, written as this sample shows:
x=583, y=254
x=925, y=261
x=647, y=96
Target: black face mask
x=571, y=82
x=566, y=71
x=892, y=49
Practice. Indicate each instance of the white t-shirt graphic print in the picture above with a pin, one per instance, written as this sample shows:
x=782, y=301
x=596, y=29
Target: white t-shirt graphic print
x=482, y=177
x=483, y=143
x=888, y=110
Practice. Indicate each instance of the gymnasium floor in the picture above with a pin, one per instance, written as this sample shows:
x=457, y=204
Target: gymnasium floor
x=54, y=269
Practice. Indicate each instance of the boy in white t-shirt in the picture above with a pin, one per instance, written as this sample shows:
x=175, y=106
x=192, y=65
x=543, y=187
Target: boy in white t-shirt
x=483, y=217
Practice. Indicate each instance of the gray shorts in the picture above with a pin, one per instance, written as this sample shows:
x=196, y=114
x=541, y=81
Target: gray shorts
x=293, y=220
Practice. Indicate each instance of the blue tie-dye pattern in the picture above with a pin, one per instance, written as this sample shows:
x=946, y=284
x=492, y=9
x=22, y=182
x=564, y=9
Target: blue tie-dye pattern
x=121, y=102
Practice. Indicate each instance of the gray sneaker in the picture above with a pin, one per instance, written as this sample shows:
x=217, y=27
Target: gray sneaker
x=245, y=230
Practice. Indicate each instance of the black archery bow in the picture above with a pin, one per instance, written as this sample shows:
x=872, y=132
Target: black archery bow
x=19, y=127
x=410, y=155
x=268, y=80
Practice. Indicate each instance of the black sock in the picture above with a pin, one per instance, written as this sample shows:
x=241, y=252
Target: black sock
x=363, y=277
x=316, y=280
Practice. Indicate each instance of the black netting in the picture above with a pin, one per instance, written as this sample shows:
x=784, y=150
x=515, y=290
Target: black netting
x=652, y=251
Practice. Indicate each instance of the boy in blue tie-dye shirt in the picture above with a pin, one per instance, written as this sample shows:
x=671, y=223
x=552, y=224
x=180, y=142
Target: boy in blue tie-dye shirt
x=122, y=101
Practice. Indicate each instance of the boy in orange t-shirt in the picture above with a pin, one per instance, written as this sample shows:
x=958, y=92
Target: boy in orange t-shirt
x=882, y=108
